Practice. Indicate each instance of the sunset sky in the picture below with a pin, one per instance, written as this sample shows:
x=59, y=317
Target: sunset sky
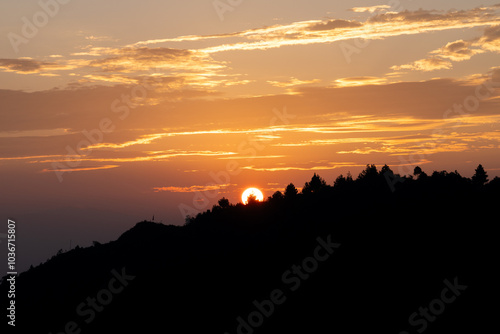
x=115, y=111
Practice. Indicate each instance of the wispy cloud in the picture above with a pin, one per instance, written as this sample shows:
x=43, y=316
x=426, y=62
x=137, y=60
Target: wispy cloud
x=152, y=156
x=293, y=82
x=145, y=139
x=128, y=60
x=191, y=189
x=371, y=9
x=426, y=65
x=31, y=66
x=36, y=133
x=379, y=26
x=359, y=81
x=79, y=169
x=333, y=24
x=312, y=167
x=456, y=51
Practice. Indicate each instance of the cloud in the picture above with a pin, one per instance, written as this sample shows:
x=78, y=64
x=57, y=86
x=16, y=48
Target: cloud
x=197, y=70
x=491, y=39
x=359, y=81
x=79, y=169
x=99, y=38
x=94, y=51
x=371, y=9
x=128, y=60
x=140, y=157
x=423, y=15
x=379, y=26
x=293, y=82
x=457, y=51
x=333, y=24
x=35, y=133
x=145, y=139
x=30, y=66
x=386, y=119
x=426, y=65
x=324, y=165
x=192, y=189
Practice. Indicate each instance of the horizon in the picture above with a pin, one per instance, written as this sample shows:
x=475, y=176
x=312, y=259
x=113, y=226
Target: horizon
x=116, y=112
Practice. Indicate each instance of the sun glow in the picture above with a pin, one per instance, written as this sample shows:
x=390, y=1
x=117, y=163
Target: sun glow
x=252, y=192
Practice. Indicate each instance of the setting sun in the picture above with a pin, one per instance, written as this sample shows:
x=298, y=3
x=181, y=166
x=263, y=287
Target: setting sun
x=252, y=191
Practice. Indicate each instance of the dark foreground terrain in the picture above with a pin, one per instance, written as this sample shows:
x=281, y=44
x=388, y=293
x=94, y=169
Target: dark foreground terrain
x=377, y=254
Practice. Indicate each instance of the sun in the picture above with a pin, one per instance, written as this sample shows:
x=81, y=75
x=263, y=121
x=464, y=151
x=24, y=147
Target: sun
x=252, y=191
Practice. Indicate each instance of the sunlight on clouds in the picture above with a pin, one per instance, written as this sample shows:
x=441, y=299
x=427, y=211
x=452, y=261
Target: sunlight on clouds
x=146, y=139
x=36, y=133
x=292, y=82
x=457, y=51
x=32, y=157
x=111, y=79
x=30, y=66
x=426, y=65
x=192, y=189
x=377, y=27
x=129, y=60
x=157, y=156
x=359, y=81
x=371, y=9
x=79, y=169
x=314, y=167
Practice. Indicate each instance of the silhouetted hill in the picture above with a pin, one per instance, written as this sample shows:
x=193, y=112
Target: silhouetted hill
x=371, y=251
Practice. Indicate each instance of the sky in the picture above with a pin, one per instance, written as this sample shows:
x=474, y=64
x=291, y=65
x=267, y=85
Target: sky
x=113, y=112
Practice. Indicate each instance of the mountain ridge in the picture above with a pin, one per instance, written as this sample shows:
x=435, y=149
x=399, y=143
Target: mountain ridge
x=396, y=248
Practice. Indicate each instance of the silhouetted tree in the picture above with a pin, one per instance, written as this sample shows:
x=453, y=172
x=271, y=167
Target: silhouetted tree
x=188, y=220
x=494, y=184
x=349, y=177
x=291, y=191
x=252, y=199
x=224, y=203
x=340, y=181
x=480, y=177
x=315, y=185
x=386, y=169
x=277, y=196
x=369, y=173
x=419, y=173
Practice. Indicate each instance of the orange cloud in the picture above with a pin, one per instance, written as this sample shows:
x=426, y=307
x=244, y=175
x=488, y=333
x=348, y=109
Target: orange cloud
x=426, y=65
x=312, y=167
x=327, y=31
x=371, y=9
x=79, y=169
x=129, y=59
x=30, y=66
x=145, y=139
x=192, y=189
x=293, y=82
x=491, y=39
x=359, y=81
x=333, y=24
x=458, y=50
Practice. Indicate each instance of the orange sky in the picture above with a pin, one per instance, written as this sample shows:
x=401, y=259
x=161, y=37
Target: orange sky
x=112, y=113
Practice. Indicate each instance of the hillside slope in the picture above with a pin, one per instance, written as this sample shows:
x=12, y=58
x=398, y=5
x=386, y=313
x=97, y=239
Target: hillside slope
x=352, y=258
